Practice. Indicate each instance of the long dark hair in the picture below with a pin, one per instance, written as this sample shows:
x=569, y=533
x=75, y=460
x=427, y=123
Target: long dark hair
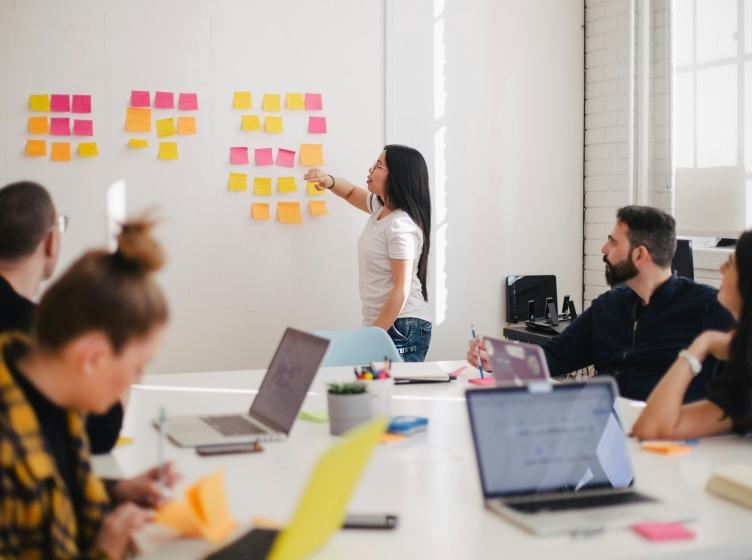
x=734, y=385
x=407, y=189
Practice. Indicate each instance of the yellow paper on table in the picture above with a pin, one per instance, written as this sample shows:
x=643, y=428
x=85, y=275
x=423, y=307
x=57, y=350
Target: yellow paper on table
x=313, y=191
x=186, y=125
x=273, y=124
x=311, y=154
x=138, y=119
x=60, y=151
x=250, y=123
x=138, y=143
x=88, y=149
x=39, y=102
x=289, y=213
x=260, y=211
x=241, y=100
x=317, y=207
x=39, y=125
x=272, y=102
x=166, y=127
x=237, y=182
x=287, y=184
x=666, y=447
x=262, y=186
x=36, y=148
x=168, y=150
x=295, y=101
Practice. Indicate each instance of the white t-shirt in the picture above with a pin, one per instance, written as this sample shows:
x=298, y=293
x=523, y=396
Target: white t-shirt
x=396, y=236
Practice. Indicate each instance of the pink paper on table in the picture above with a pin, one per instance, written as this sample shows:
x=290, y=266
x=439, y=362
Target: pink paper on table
x=60, y=126
x=286, y=158
x=313, y=102
x=654, y=531
x=59, y=103
x=239, y=155
x=83, y=127
x=140, y=98
x=188, y=102
x=264, y=156
x=317, y=125
x=81, y=103
x=164, y=100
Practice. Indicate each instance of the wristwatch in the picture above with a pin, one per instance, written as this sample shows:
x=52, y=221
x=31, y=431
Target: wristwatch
x=694, y=363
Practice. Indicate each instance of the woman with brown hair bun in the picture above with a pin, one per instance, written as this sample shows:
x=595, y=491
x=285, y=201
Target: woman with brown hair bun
x=95, y=330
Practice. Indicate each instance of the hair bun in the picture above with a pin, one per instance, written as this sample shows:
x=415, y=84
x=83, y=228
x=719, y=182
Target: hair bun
x=137, y=248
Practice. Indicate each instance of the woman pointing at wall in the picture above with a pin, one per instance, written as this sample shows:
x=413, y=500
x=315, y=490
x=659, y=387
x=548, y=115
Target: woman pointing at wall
x=393, y=248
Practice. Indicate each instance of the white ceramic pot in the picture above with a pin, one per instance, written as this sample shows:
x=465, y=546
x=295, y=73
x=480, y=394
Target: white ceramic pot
x=347, y=411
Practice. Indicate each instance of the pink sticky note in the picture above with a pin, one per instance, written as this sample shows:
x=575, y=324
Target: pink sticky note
x=60, y=126
x=164, y=100
x=188, y=102
x=264, y=156
x=59, y=103
x=140, y=98
x=286, y=158
x=83, y=127
x=239, y=155
x=654, y=531
x=484, y=382
x=313, y=102
x=317, y=125
x=82, y=103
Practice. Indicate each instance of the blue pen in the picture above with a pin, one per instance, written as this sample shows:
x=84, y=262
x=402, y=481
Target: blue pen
x=480, y=361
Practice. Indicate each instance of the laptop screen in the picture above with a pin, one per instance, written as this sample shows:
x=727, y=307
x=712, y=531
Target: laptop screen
x=564, y=438
x=516, y=362
x=288, y=378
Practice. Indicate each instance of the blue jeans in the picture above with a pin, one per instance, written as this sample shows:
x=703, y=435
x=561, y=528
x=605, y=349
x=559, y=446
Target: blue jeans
x=412, y=337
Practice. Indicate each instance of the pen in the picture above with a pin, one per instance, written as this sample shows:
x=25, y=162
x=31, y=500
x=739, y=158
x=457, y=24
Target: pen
x=477, y=349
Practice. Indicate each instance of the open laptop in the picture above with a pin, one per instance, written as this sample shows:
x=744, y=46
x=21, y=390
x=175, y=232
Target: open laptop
x=275, y=407
x=553, y=459
x=516, y=363
x=322, y=506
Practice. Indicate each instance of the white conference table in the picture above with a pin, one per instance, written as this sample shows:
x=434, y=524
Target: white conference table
x=429, y=480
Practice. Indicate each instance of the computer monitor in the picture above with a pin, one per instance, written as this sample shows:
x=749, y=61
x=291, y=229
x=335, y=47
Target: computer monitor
x=682, y=263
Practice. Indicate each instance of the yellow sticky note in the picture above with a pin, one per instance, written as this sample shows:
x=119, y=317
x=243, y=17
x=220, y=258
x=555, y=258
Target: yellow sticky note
x=311, y=154
x=273, y=124
x=272, y=102
x=237, y=182
x=60, y=151
x=39, y=125
x=241, y=100
x=168, y=150
x=295, y=101
x=39, y=102
x=138, y=119
x=262, y=186
x=166, y=127
x=287, y=184
x=317, y=207
x=138, y=143
x=36, y=148
x=88, y=149
x=250, y=123
x=313, y=191
x=186, y=125
x=260, y=211
x=289, y=212
x=124, y=440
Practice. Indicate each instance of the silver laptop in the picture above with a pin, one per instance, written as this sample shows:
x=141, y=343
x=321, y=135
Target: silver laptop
x=516, y=363
x=553, y=459
x=275, y=407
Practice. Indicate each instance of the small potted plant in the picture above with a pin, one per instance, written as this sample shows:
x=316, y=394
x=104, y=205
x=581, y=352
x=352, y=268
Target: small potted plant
x=349, y=405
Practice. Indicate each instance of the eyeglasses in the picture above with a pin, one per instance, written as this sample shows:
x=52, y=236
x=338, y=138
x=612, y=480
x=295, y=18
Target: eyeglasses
x=62, y=223
x=378, y=165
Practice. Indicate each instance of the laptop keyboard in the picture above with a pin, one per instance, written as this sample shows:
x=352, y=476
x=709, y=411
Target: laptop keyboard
x=579, y=502
x=232, y=425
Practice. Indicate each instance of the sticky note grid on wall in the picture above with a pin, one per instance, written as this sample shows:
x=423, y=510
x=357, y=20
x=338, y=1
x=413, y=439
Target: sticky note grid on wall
x=64, y=116
x=167, y=117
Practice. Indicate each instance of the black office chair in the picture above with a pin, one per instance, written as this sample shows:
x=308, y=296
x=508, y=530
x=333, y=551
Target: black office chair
x=682, y=263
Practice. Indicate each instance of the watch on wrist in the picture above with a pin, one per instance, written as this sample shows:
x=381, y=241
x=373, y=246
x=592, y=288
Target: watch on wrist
x=694, y=364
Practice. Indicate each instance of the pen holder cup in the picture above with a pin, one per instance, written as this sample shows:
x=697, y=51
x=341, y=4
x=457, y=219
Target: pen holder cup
x=347, y=411
x=380, y=391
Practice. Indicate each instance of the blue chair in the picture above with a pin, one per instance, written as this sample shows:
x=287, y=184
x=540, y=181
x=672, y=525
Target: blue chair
x=359, y=347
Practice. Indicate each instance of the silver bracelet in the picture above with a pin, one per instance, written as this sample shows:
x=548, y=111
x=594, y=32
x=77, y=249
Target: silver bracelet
x=694, y=364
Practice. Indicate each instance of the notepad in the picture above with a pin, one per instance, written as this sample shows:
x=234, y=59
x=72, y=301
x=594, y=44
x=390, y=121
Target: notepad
x=416, y=372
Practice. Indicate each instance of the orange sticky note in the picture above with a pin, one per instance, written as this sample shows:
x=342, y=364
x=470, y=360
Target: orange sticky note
x=313, y=191
x=168, y=150
x=186, y=125
x=666, y=447
x=250, y=123
x=60, y=151
x=237, y=182
x=311, y=154
x=39, y=102
x=88, y=149
x=391, y=438
x=317, y=207
x=36, y=148
x=262, y=186
x=289, y=213
x=138, y=119
x=260, y=211
x=39, y=125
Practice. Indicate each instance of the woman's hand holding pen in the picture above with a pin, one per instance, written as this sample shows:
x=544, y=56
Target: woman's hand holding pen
x=476, y=347
x=322, y=180
x=146, y=489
